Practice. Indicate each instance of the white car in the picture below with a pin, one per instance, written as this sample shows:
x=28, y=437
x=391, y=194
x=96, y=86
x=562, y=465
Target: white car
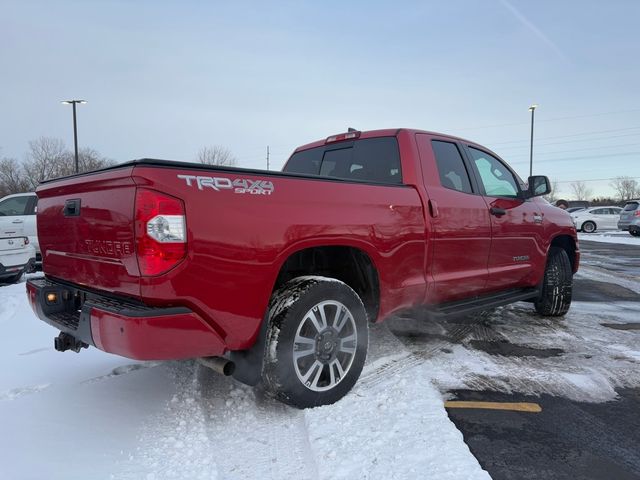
x=17, y=254
x=19, y=210
x=591, y=219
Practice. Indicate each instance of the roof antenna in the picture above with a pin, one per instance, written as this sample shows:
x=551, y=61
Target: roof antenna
x=351, y=130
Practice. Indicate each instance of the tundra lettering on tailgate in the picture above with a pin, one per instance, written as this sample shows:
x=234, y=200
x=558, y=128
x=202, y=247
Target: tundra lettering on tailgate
x=238, y=185
x=108, y=247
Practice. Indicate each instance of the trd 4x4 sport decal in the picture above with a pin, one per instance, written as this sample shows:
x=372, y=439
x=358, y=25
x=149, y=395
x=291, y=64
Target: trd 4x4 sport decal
x=238, y=185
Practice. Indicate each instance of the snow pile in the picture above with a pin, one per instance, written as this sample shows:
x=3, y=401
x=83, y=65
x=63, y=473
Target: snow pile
x=620, y=237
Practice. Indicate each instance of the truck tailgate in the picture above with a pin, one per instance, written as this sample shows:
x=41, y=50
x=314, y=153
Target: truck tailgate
x=86, y=230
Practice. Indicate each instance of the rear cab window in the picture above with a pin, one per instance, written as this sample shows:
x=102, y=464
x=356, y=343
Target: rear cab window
x=368, y=160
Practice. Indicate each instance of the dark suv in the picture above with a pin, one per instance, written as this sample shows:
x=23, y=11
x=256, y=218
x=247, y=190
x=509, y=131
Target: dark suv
x=630, y=218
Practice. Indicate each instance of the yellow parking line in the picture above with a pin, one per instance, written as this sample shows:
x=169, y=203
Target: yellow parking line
x=516, y=407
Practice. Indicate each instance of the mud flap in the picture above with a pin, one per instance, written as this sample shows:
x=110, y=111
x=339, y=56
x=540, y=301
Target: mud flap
x=248, y=363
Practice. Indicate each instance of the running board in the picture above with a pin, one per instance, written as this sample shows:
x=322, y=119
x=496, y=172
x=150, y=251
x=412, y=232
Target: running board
x=477, y=304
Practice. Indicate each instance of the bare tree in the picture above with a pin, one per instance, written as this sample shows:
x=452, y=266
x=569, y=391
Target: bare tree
x=12, y=178
x=88, y=160
x=626, y=188
x=216, y=155
x=552, y=196
x=581, y=191
x=45, y=159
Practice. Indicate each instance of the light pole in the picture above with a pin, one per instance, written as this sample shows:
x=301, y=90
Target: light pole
x=75, y=127
x=532, y=109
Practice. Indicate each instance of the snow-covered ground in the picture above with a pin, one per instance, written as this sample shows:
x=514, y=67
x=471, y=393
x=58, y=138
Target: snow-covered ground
x=610, y=236
x=94, y=415
x=98, y=416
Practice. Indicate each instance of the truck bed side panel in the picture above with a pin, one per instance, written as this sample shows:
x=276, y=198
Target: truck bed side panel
x=239, y=240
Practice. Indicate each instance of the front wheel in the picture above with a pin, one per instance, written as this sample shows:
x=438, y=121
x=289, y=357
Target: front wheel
x=635, y=233
x=316, y=344
x=557, y=285
x=588, y=227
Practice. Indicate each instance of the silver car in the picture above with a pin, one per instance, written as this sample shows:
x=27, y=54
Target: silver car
x=630, y=218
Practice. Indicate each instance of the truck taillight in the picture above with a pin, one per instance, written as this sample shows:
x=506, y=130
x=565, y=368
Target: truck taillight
x=161, y=231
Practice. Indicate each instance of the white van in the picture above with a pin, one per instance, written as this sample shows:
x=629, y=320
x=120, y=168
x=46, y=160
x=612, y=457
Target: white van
x=17, y=254
x=19, y=210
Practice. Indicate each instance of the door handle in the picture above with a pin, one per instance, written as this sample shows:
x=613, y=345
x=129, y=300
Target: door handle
x=17, y=221
x=433, y=208
x=498, y=212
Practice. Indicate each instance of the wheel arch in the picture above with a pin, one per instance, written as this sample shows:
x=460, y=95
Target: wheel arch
x=568, y=244
x=349, y=264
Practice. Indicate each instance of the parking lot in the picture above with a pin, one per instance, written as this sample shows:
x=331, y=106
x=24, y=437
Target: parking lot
x=582, y=371
x=578, y=376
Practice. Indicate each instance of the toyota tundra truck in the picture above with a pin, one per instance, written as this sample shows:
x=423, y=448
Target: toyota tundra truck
x=274, y=277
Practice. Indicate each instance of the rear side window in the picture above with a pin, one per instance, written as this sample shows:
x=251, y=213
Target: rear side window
x=453, y=173
x=631, y=206
x=370, y=159
x=14, y=206
x=307, y=161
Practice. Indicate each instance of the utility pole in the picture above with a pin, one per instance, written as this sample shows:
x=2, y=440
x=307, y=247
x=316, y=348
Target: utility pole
x=267, y=157
x=532, y=109
x=75, y=128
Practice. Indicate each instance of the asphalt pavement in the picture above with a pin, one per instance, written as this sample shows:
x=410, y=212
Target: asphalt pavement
x=559, y=438
x=567, y=439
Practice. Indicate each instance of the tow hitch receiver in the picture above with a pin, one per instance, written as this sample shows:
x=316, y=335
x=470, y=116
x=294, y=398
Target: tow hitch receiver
x=64, y=342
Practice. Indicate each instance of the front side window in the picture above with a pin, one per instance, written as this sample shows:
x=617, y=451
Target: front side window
x=14, y=206
x=498, y=181
x=453, y=173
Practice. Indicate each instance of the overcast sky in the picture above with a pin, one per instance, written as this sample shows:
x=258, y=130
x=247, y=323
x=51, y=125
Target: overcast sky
x=165, y=78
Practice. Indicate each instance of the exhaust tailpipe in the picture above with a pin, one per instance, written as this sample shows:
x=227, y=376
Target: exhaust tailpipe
x=220, y=365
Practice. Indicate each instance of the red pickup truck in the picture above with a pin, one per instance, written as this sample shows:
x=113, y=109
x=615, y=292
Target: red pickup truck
x=275, y=276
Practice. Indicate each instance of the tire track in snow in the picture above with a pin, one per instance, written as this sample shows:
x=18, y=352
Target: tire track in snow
x=21, y=391
x=254, y=433
x=175, y=445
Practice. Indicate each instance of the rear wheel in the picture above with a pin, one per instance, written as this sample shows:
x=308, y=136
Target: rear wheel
x=316, y=343
x=635, y=233
x=589, y=227
x=557, y=285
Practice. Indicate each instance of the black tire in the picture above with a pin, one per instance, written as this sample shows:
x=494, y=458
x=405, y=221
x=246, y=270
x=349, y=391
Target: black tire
x=557, y=285
x=291, y=311
x=589, y=227
x=635, y=233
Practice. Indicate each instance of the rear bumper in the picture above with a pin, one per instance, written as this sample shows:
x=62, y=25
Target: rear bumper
x=11, y=268
x=623, y=225
x=122, y=327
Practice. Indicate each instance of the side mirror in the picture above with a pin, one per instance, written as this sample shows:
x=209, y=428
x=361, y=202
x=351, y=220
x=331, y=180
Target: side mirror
x=538, y=185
